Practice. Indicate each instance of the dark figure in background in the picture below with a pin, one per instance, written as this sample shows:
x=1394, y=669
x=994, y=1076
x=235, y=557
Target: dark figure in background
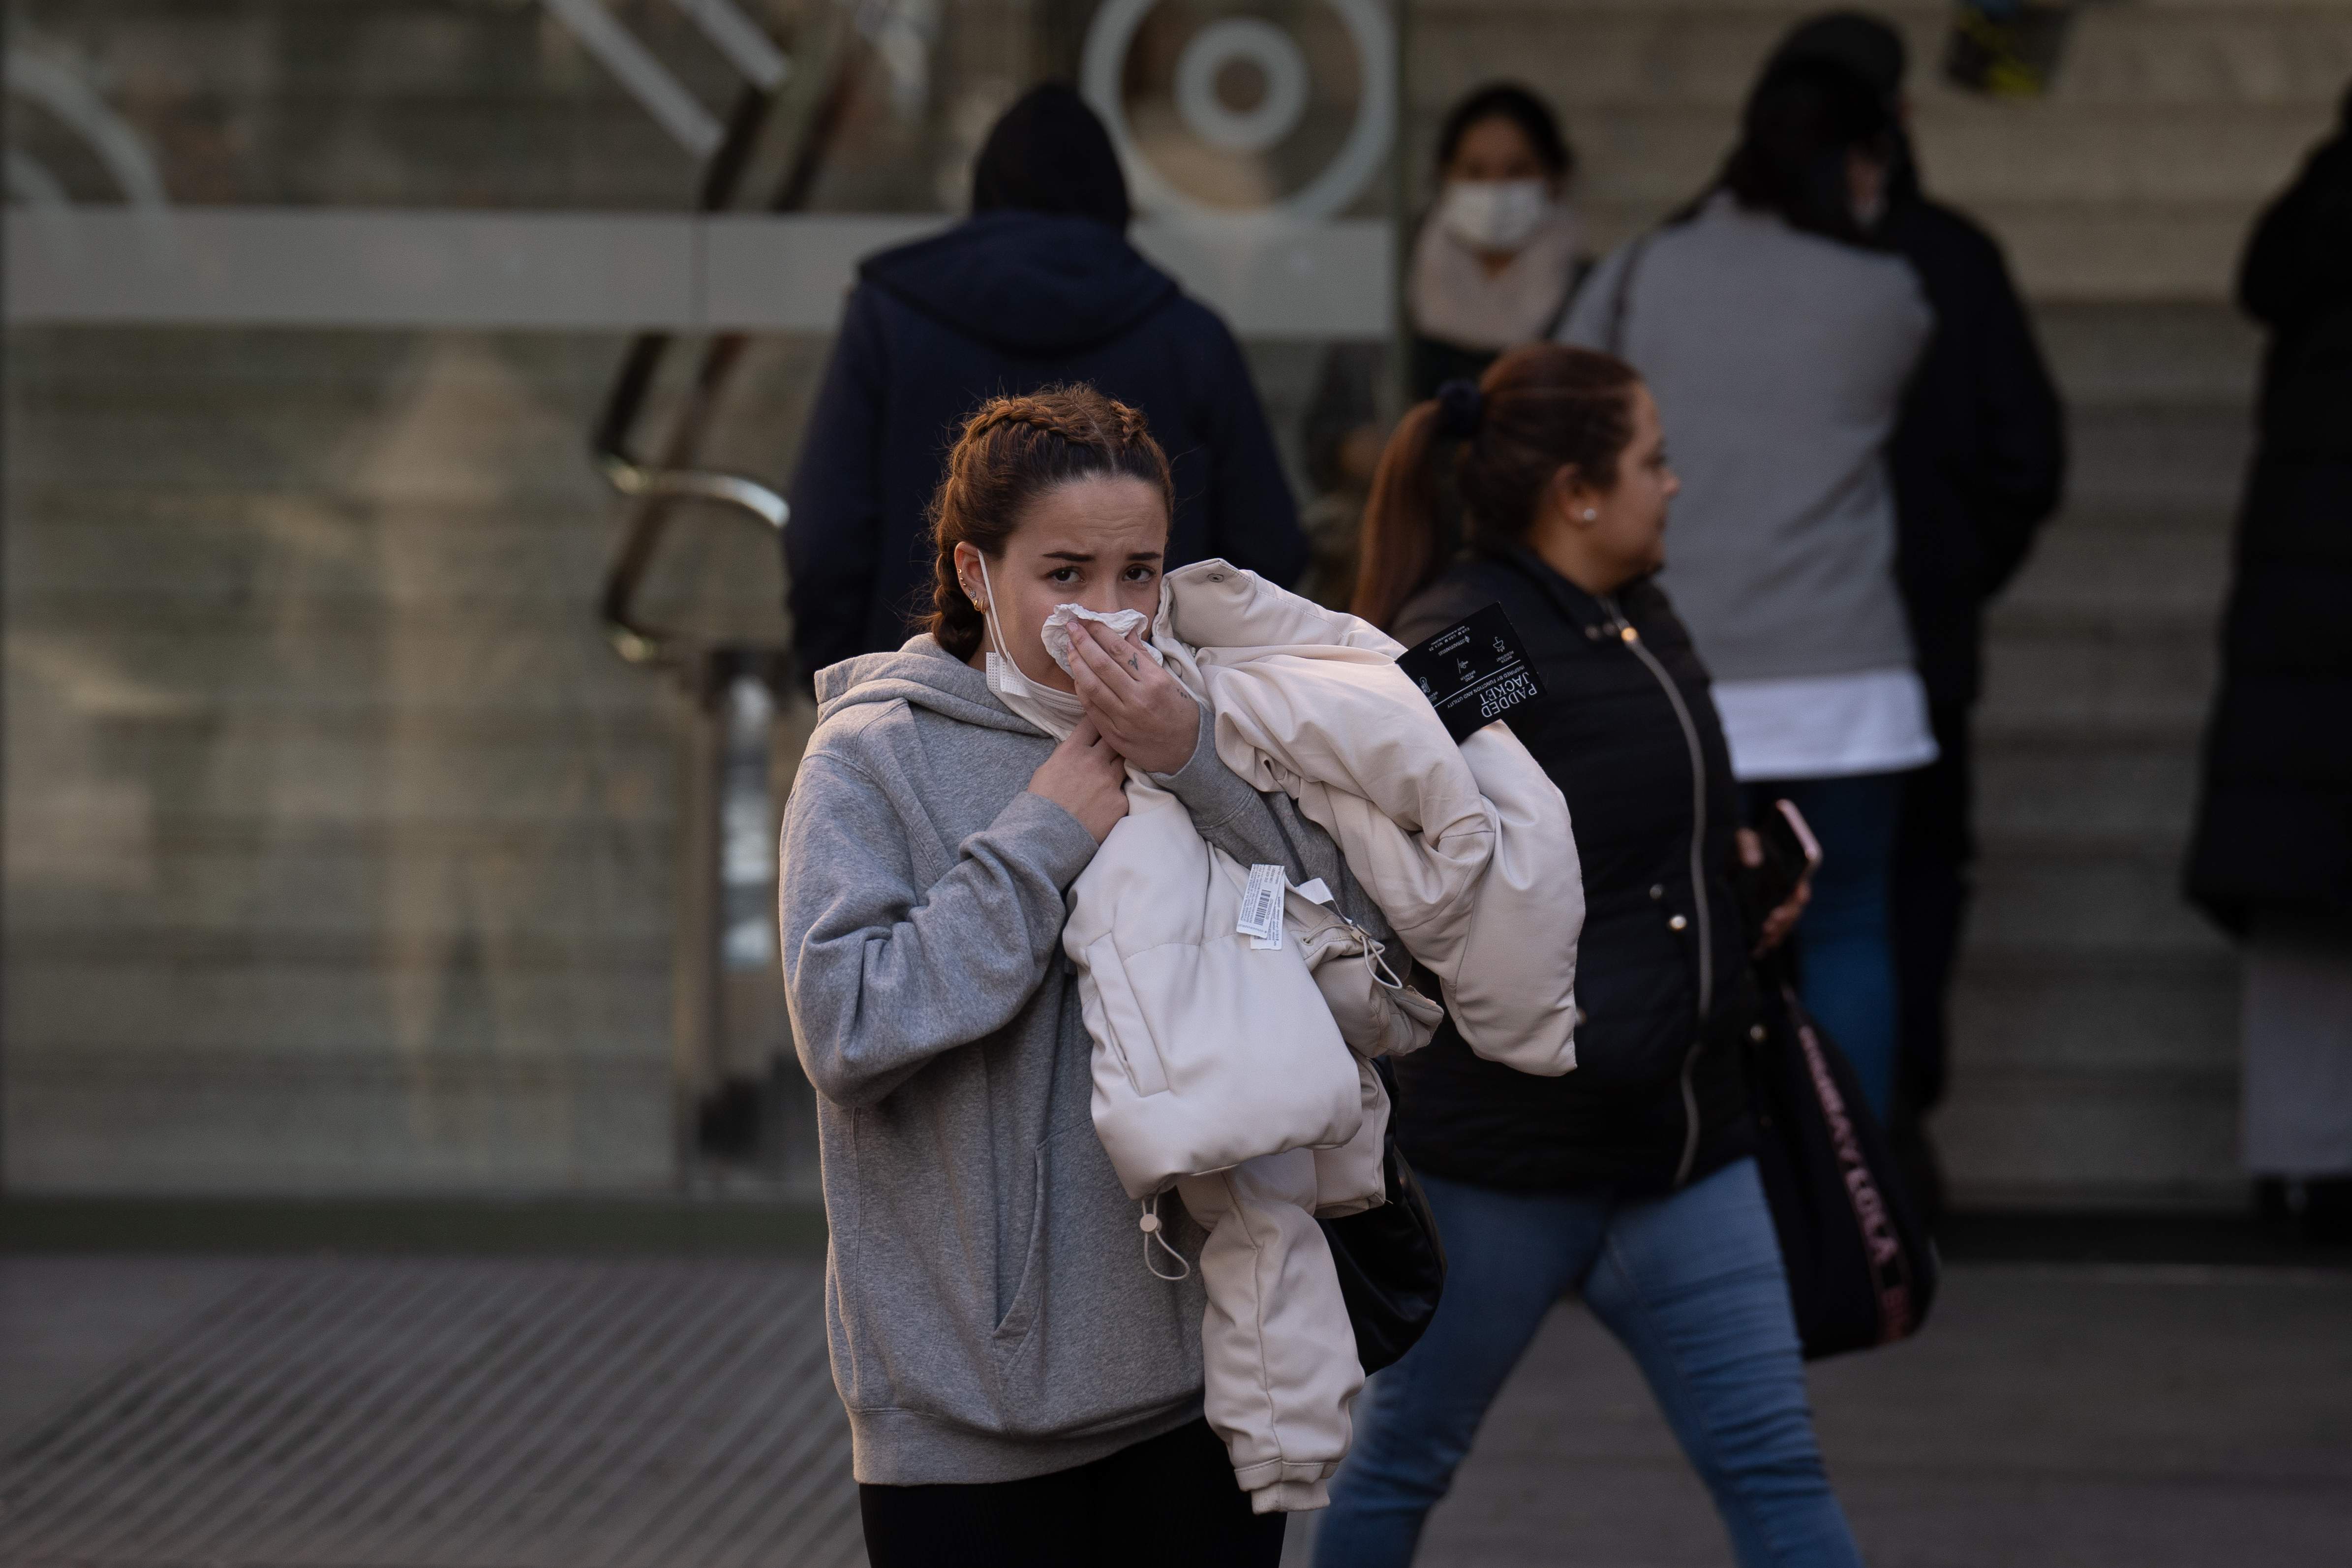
x=1978, y=460
x=1039, y=287
x=2271, y=859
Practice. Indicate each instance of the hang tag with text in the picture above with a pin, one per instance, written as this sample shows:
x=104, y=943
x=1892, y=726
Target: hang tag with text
x=1473, y=672
x=1261, y=915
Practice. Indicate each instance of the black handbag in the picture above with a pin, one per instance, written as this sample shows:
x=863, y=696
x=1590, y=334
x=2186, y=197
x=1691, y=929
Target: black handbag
x=1391, y=1261
x=1861, y=1269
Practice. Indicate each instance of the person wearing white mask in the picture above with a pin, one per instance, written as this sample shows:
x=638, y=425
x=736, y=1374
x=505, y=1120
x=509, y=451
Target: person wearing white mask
x=1021, y=1387
x=1497, y=257
x=1494, y=266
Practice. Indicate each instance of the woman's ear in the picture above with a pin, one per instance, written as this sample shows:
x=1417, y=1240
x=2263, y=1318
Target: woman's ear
x=1577, y=502
x=968, y=574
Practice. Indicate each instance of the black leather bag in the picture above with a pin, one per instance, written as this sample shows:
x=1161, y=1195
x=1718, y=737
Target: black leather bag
x=1861, y=1269
x=1391, y=1263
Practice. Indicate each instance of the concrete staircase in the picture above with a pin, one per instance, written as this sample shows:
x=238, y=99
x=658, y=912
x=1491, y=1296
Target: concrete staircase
x=2095, y=1027
x=2095, y=1012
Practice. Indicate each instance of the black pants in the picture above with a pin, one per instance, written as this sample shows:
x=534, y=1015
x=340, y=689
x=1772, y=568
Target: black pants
x=1934, y=844
x=1171, y=1502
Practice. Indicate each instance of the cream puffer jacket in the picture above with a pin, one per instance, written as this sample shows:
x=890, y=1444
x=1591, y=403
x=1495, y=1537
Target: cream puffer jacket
x=1211, y=1050
x=1221, y=1063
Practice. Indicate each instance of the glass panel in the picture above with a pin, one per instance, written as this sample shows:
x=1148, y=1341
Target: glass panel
x=345, y=851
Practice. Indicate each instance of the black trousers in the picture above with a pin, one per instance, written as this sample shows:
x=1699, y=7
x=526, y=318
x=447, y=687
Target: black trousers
x=1170, y=1502
x=1934, y=846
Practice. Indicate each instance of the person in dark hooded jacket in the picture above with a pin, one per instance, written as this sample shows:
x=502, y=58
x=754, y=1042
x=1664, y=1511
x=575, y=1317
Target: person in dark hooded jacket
x=1038, y=287
x=2271, y=859
x=1979, y=458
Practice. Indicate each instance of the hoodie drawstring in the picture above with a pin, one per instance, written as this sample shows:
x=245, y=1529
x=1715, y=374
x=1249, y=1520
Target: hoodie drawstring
x=1153, y=1232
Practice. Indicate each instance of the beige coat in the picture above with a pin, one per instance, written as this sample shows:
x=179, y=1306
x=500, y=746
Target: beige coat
x=1466, y=848
x=1233, y=1070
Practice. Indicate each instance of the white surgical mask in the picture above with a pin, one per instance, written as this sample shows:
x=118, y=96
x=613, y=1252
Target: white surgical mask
x=1493, y=215
x=1055, y=712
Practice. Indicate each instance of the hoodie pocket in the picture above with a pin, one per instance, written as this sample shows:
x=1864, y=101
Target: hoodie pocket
x=1130, y=1035
x=1092, y=1341
x=1022, y=1311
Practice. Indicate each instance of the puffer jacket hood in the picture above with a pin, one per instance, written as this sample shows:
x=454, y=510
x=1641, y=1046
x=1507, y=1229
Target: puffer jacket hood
x=1027, y=283
x=922, y=673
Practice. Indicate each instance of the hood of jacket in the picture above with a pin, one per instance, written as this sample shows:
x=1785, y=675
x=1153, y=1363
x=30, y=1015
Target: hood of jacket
x=1029, y=283
x=921, y=674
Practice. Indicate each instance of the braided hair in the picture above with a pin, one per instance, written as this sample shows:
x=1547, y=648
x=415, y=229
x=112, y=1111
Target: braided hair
x=1011, y=450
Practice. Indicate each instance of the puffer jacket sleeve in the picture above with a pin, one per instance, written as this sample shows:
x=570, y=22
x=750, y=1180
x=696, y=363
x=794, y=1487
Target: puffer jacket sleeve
x=882, y=972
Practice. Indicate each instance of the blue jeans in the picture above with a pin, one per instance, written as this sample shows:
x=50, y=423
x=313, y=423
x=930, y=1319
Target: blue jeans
x=1845, y=943
x=1690, y=1282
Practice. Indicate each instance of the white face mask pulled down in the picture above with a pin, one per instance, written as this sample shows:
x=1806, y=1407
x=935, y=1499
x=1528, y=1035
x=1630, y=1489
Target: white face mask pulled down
x=1055, y=712
x=1498, y=217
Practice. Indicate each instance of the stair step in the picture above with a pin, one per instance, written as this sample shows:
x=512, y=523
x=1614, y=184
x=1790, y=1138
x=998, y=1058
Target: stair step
x=2049, y=676
x=474, y=1012
x=2163, y=566
x=2159, y=456
x=437, y=899
x=2144, y=355
x=2030, y=798
x=2088, y=901
x=1645, y=52
x=247, y=1125
x=2087, y=156
x=2165, y=1013
x=2041, y=1137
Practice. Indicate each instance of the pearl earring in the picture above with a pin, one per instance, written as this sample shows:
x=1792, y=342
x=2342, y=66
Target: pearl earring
x=1590, y=513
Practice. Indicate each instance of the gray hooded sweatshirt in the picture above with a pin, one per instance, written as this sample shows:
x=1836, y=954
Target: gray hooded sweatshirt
x=989, y=1310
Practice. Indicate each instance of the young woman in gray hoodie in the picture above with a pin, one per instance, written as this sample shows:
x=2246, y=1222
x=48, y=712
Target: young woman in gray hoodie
x=1020, y=1356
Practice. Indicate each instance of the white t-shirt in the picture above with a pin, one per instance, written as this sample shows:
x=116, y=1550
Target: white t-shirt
x=1826, y=726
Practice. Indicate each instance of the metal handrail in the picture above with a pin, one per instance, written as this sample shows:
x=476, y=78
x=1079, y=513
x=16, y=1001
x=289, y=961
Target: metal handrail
x=656, y=483
x=635, y=642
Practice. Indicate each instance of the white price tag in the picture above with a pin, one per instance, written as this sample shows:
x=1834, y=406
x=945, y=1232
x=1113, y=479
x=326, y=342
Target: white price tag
x=1261, y=915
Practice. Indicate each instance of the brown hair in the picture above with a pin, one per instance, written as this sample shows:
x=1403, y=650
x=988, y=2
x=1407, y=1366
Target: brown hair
x=1537, y=410
x=1011, y=450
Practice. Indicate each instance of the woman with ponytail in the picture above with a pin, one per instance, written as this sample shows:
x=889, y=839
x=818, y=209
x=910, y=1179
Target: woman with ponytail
x=1021, y=1388
x=1544, y=489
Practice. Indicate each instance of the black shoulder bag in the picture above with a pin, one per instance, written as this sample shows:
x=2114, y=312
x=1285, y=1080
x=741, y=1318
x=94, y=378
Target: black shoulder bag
x=1861, y=1269
x=1391, y=1264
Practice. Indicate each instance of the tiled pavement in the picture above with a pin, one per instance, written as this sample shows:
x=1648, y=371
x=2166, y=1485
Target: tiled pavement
x=508, y=1413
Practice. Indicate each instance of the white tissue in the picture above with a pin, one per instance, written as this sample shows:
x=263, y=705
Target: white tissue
x=1056, y=631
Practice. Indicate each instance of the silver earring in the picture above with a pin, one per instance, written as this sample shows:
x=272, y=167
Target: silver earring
x=1592, y=512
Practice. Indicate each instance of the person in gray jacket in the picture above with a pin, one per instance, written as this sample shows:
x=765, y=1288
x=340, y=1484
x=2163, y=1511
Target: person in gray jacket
x=1777, y=337
x=1019, y=1351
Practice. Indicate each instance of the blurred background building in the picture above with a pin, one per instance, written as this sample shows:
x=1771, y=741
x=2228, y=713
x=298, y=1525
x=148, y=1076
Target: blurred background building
x=390, y=798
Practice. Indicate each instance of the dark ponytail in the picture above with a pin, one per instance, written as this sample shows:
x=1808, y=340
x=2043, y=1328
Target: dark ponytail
x=1011, y=450
x=1537, y=410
